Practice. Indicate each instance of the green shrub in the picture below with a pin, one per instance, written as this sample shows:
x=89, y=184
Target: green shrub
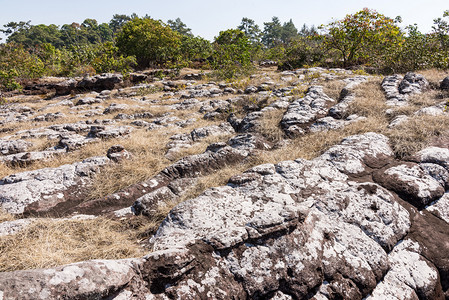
x=232, y=54
x=364, y=37
x=153, y=43
x=301, y=52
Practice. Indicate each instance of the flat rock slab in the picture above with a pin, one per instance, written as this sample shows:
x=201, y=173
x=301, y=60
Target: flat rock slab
x=304, y=111
x=411, y=182
x=13, y=146
x=43, y=189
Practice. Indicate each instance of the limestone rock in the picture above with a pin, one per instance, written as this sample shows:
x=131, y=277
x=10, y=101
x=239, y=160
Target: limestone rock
x=413, y=84
x=444, y=85
x=85, y=280
x=303, y=111
x=411, y=182
x=13, y=146
x=100, y=82
x=356, y=154
x=43, y=189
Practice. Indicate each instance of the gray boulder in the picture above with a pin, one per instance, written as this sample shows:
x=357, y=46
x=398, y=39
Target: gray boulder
x=304, y=111
x=43, y=189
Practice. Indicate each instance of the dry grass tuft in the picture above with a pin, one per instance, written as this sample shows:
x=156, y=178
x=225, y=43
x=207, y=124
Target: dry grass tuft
x=4, y=216
x=269, y=125
x=148, y=159
x=416, y=134
x=333, y=88
x=48, y=243
x=370, y=100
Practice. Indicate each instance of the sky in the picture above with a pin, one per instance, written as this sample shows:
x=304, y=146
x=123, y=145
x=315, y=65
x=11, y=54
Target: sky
x=207, y=17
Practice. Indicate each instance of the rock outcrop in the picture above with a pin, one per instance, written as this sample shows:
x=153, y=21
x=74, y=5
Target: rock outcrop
x=303, y=229
x=41, y=190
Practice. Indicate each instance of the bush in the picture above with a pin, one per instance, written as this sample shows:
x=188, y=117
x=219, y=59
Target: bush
x=306, y=51
x=195, y=49
x=364, y=37
x=153, y=43
x=16, y=65
x=232, y=54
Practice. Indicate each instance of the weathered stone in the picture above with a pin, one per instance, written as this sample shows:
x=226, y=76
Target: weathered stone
x=118, y=153
x=390, y=86
x=304, y=111
x=398, y=120
x=74, y=141
x=435, y=110
x=340, y=110
x=49, y=117
x=410, y=275
x=444, y=85
x=27, y=158
x=85, y=280
x=13, y=146
x=43, y=189
x=88, y=101
x=413, y=183
x=355, y=155
x=100, y=82
x=115, y=107
x=107, y=132
x=440, y=207
x=398, y=89
x=413, y=84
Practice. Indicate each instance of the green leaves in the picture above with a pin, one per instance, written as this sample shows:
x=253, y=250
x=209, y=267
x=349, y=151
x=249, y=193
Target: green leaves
x=232, y=54
x=363, y=37
x=152, y=42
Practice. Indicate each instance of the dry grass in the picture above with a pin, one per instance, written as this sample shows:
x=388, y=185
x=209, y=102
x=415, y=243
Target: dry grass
x=434, y=76
x=333, y=88
x=415, y=134
x=4, y=216
x=148, y=150
x=269, y=125
x=47, y=243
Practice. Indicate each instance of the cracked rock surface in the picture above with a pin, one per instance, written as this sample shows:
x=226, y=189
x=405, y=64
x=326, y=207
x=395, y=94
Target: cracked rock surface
x=293, y=230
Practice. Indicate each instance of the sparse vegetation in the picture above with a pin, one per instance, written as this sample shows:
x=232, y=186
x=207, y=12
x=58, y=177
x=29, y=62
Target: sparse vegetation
x=47, y=243
x=366, y=39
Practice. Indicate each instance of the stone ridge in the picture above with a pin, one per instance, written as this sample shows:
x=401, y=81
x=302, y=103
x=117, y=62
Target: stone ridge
x=303, y=229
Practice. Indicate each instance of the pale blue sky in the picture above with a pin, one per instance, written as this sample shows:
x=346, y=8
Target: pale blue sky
x=207, y=18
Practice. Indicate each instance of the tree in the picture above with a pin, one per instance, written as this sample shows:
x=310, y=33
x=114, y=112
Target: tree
x=308, y=31
x=118, y=21
x=251, y=30
x=180, y=27
x=288, y=32
x=151, y=41
x=364, y=36
x=195, y=48
x=441, y=30
x=13, y=27
x=232, y=53
x=303, y=51
x=272, y=33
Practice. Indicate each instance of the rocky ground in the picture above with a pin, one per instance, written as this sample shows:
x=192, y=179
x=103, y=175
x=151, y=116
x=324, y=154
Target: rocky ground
x=306, y=184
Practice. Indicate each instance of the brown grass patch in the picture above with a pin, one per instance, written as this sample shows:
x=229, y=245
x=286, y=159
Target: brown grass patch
x=48, y=243
x=333, y=88
x=370, y=100
x=416, y=133
x=270, y=125
x=4, y=216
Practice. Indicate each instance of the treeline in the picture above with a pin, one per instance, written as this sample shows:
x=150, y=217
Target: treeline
x=365, y=39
